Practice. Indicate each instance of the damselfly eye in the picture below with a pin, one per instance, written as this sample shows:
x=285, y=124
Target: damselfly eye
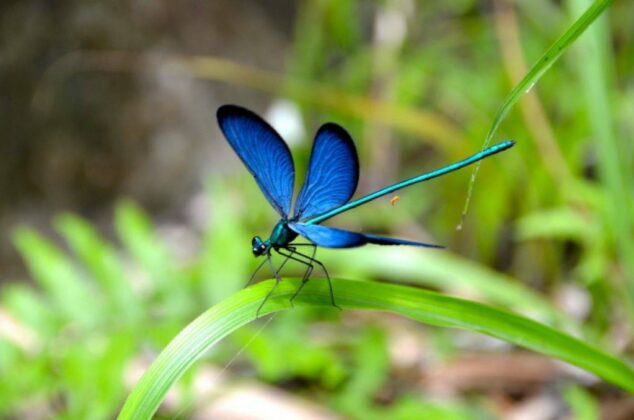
x=258, y=246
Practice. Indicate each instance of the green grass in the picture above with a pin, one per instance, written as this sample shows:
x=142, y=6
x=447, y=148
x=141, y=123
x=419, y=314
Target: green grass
x=536, y=226
x=423, y=306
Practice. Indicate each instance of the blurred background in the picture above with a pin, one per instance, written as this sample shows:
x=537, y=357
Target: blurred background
x=124, y=214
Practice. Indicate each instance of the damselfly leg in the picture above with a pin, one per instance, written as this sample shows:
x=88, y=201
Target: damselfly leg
x=264, y=261
x=277, y=282
x=307, y=260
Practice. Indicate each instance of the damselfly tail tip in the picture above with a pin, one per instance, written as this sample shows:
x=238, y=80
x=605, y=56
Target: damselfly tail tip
x=500, y=147
x=507, y=144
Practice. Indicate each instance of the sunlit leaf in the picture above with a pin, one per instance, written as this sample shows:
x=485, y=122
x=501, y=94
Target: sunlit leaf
x=424, y=306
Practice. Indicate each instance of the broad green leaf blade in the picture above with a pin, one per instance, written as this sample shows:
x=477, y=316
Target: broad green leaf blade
x=453, y=274
x=446, y=271
x=421, y=305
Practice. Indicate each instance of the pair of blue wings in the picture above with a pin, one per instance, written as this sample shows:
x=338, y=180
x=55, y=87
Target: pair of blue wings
x=333, y=174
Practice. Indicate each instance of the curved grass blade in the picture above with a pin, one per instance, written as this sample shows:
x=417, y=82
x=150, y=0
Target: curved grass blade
x=448, y=272
x=534, y=74
x=421, y=305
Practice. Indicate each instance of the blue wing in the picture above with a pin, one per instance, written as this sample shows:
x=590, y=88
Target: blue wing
x=329, y=237
x=263, y=152
x=332, y=175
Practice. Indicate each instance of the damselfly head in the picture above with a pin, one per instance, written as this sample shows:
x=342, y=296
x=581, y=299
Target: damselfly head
x=258, y=246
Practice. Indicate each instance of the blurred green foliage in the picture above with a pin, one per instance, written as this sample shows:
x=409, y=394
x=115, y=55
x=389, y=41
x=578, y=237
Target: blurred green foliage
x=87, y=328
x=554, y=211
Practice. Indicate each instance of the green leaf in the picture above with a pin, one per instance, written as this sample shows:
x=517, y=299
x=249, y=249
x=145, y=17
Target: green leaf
x=612, y=150
x=141, y=240
x=415, y=407
x=373, y=364
x=421, y=305
x=561, y=223
x=549, y=58
x=137, y=233
x=102, y=262
x=582, y=404
x=69, y=292
x=30, y=308
x=448, y=272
